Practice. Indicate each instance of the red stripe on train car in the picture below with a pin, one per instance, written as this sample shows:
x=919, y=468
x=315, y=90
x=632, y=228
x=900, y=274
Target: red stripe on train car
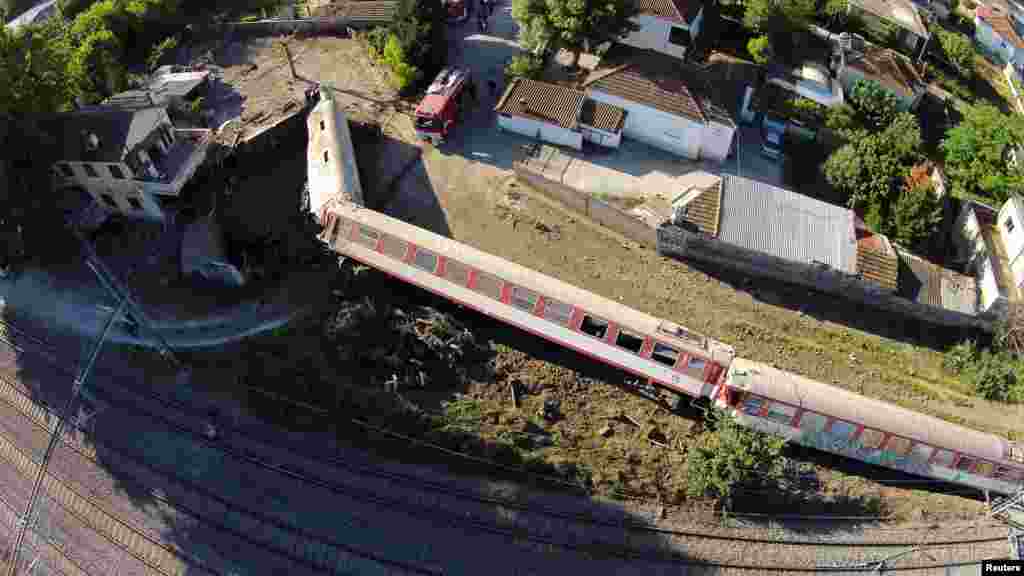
x=538, y=309
x=613, y=333
x=506, y=292
x=442, y=265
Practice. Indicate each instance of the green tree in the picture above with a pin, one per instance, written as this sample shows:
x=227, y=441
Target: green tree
x=524, y=66
x=868, y=170
x=975, y=152
x=760, y=49
x=403, y=74
x=157, y=52
x=785, y=22
x=914, y=216
x=876, y=107
x=729, y=456
x=958, y=50
x=576, y=25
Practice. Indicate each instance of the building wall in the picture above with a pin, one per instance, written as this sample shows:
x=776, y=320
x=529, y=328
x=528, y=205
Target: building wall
x=548, y=132
x=1013, y=240
x=104, y=188
x=716, y=141
x=680, y=243
x=674, y=134
x=602, y=137
x=654, y=34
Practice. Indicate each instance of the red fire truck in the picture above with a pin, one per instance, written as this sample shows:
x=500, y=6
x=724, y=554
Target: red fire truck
x=439, y=109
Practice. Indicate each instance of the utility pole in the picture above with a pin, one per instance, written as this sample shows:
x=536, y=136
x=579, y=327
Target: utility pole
x=55, y=436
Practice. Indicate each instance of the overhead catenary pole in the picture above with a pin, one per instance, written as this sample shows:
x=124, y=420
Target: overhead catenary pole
x=58, y=431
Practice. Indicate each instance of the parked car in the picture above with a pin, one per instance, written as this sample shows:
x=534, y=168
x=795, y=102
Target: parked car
x=773, y=130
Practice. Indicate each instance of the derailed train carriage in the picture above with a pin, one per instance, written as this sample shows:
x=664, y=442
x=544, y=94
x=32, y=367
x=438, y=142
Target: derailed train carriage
x=666, y=356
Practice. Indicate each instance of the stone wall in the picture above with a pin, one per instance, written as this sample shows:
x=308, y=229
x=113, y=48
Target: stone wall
x=581, y=202
x=685, y=244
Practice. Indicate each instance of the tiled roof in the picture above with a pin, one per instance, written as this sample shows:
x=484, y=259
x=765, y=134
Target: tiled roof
x=787, y=225
x=704, y=211
x=647, y=78
x=877, y=263
x=889, y=68
x=1001, y=24
x=547, y=102
x=676, y=10
x=899, y=12
x=602, y=116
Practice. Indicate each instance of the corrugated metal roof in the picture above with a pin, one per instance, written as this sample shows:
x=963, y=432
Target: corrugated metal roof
x=547, y=102
x=932, y=285
x=602, y=116
x=877, y=263
x=675, y=10
x=785, y=224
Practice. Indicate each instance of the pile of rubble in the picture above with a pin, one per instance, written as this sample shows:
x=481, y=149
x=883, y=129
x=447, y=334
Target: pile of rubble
x=407, y=349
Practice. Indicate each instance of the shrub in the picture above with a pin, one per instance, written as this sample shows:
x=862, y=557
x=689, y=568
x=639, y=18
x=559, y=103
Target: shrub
x=729, y=456
x=760, y=49
x=403, y=74
x=876, y=105
x=524, y=66
x=994, y=377
x=158, y=51
x=960, y=357
x=958, y=50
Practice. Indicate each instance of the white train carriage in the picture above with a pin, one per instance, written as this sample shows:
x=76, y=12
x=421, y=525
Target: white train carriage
x=834, y=420
x=660, y=352
x=331, y=168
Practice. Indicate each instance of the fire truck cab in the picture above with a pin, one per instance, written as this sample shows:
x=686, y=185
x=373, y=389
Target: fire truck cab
x=439, y=109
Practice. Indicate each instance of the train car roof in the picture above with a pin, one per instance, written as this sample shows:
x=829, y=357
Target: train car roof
x=599, y=306
x=797, y=390
x=337, y=176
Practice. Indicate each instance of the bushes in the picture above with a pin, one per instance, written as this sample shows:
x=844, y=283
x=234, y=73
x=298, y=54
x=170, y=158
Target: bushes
x=524, y=66
x=760, y=49
x=992, y=375
x=729, y=456
x=958, y=50
x=403, y=74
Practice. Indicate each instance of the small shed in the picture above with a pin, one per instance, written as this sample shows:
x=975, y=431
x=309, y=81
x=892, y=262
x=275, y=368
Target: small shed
x=558, y=114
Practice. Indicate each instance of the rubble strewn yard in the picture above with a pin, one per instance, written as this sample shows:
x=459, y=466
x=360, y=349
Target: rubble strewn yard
x=605, y=431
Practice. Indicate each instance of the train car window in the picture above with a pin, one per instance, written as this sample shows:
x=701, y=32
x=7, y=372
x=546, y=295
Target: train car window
x=523, y=299
x=695, y=363
x=630, y=342
x=488, y=285
x=781, y=413
x=984, y=468
x=367, y=237
x=456, y=272
x=965, y=464
x=594, y=327
x=871, y=439
x=944, y=458
x=921, y=452
x=813, y=422
x=665, y=355
x=394, y=247
x=898, y=446
x=842, y=429
x=425, y=260
x=752, y=405
x=558, y=312
x=1009, y=474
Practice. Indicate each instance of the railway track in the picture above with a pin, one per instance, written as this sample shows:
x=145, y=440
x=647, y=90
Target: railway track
x=518, y=534
x=51, y=555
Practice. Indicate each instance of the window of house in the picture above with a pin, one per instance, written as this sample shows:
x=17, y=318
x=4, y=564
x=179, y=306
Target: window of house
x=813, y=422
x=116, y=172
x=1009, y=224
x=393, y=247
x=109, y=200
x=523, y=298
x=944, y=458
x=871, y=439
x=842, y=429
x=630, y=342
x=664, y=355
x=594, y=327
x=134, y=202
x=781, y=413
x=556, y=311
x=488, y=285
x=456, y=272
x=425, y=260
x=679, y=36
x=368, y=237
x=90, y=171
x=66, y=170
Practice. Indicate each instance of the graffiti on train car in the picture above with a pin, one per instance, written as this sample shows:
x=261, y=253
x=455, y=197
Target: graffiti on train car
x=856, y=449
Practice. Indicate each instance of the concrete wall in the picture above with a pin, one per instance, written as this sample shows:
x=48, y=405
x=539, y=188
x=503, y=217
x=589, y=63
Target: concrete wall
x=1013, y=240
x=674, y=134
x=592, y=208
x=602, y=137
x=548, y=132
x=680, y=243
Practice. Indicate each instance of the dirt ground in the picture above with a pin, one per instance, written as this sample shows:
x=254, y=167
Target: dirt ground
x=838, y=342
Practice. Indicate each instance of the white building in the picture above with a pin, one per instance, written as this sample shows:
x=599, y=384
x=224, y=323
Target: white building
x=559, y=115
x=661, y=108
x=990, y=243
x=132, y=162
x=667, y=26
x=997, y=30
